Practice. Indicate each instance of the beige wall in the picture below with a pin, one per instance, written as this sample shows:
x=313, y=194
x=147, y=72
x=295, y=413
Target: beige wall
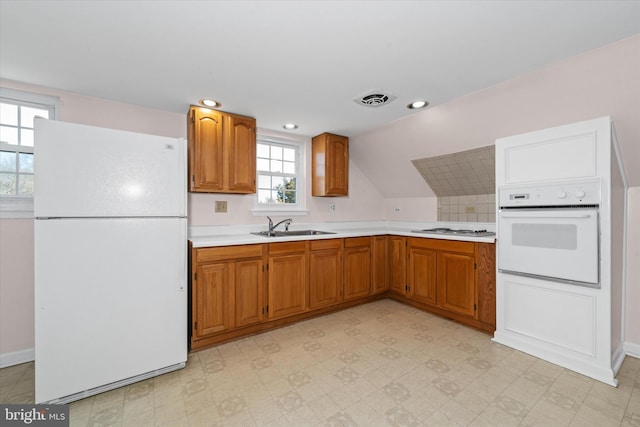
x=632, y=317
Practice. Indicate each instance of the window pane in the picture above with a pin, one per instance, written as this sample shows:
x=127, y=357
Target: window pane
x=26, y=137
x=289, y=196
x=9, y=135
x=276, y=152
x=289, y=167
x=264, y=196
x=7, y=161
x=262, y=165
x=277, y=181
x=264, y=181
x=25, y=161
x=7, y=184
x=289, y=155
x=263, y=150
x=28, y=113
x=276, y=166
x=9, y=114
x=26, y=185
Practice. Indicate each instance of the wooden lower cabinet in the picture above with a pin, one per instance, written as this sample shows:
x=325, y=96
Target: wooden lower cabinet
x=227, y=288
x=249, y=289
x=357, y=268
x=325, y=273
x=397, y=264
x=211, y=313
x=288, y=279
x=422, y=275
x=456, y=283
x=379, y=264
x=238, y=290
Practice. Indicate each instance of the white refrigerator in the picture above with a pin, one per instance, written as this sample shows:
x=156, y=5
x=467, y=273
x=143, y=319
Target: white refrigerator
x=110, y=259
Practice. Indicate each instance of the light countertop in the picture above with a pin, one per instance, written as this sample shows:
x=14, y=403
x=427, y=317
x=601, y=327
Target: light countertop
x=221, y=235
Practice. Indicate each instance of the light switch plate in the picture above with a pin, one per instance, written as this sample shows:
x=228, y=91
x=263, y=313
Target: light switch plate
x=469, y=209
x=221, y=206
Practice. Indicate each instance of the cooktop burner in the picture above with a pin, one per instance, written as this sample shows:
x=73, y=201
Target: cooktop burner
x=444, y=230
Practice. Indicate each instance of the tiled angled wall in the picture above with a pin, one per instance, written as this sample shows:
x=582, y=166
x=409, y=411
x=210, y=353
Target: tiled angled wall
x=477, y=208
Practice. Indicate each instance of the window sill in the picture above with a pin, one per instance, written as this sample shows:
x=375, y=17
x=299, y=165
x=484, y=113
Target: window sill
x=16, y=207
x=274, y=212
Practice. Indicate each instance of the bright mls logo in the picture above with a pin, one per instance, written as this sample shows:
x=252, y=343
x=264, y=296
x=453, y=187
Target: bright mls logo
x=35, y=415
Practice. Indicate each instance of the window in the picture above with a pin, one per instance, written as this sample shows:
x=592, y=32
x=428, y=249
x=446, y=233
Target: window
x=280, y=184
x=17, y=112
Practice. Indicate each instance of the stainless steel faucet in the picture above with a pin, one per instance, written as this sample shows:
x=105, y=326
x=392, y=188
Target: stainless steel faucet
x=273, y=227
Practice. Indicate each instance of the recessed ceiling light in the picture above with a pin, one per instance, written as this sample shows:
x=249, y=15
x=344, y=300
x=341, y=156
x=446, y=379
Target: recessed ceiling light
x=416, y=105
x=290, y=126
x=210, y=103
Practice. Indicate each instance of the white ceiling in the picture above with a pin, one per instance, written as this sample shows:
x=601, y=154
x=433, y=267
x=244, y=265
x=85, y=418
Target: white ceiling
x=296, y=61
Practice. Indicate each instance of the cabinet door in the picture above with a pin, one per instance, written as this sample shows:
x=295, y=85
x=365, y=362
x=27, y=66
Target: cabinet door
x=205, y=150
x=397, y=264
x=357, y=272
x=325, y=278
x=337, y=172
x=486, y=282
x=456, y=283
x=241, y=149
x=212, y=299
x=248, y=292
x=379, y=279
x=422, y=275
x=287, y=285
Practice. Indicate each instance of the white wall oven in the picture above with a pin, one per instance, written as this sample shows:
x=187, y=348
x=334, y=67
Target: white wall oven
x=551, y=232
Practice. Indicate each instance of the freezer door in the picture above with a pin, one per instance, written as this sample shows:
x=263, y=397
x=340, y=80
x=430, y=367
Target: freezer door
x=110, y=301
x=84, y=171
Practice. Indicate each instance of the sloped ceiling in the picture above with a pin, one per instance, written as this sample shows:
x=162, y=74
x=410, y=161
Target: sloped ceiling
x=465, y=173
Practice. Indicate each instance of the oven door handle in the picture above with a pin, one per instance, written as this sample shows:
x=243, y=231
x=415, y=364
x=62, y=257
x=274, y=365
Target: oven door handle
x=545, y=216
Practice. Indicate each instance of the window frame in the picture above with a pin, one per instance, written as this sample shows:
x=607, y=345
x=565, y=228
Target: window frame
x=261, y=209
x=18, y=206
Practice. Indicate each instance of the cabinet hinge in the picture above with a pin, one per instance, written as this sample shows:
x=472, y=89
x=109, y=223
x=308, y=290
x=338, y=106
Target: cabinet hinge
x=474, y=307
x=195, y=326
x=193, y=117
x=193, y=178
x=195, y=276
x=267, y=308
x=475, y=266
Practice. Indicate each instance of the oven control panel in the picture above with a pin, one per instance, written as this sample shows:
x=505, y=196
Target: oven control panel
x=554, y=194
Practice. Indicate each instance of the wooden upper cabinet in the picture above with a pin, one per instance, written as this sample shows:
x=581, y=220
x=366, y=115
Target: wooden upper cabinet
x=205, y=134
x=330, y=165
x=242, y=154
x=222, y=152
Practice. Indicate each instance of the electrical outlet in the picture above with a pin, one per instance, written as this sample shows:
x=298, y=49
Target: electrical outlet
x=332, y=207
x=396, y=210
x=469, y=209
x=221, y=206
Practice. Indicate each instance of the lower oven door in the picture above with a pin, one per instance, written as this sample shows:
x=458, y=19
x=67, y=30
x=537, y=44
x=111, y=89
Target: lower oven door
x=556, y=244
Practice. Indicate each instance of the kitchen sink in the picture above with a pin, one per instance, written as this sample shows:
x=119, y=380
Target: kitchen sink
x=291, y=233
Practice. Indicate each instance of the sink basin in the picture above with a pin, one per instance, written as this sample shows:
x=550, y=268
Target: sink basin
x=291, y=233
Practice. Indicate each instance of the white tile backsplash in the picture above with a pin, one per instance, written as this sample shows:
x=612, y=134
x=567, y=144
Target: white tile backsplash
x=456, y=208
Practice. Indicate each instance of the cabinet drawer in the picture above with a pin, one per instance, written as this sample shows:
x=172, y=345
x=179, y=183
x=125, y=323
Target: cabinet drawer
x=228, y=252
x=353, y=242
x=442, y=245
x=287, y=247
x=319, y=245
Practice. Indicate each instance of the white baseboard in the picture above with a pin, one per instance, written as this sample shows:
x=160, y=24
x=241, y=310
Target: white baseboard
x=17, y=357
x=632, y=349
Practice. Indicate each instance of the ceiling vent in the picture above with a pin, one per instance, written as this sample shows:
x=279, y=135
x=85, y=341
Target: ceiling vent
x=375, y=98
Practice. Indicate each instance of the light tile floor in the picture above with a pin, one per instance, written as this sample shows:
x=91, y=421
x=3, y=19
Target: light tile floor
x=377, y=364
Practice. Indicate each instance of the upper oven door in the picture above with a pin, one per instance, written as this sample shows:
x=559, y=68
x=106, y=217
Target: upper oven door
x=557, y=244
